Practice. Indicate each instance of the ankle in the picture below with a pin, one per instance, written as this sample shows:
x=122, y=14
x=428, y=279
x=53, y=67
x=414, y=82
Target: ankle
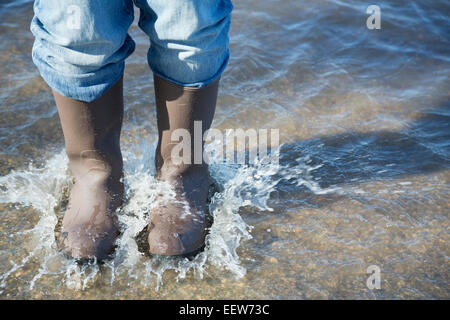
x=170, y=171
x=99, y=165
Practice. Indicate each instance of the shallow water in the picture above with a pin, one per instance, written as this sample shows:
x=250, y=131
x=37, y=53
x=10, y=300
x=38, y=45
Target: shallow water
x=363, y=177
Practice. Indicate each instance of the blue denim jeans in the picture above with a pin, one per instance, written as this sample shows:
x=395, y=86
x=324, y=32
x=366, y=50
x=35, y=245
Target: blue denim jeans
x=81, y=45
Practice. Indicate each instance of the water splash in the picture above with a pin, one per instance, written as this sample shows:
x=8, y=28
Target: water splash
x=239, y=186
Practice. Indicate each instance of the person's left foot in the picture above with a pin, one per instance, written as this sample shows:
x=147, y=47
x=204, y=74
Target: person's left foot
x=178, y=226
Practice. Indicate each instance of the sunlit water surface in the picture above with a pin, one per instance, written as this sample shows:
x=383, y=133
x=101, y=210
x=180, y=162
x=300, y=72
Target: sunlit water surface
x=363, y=176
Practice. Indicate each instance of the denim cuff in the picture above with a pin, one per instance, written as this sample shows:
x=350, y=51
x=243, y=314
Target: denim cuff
x=198, y=84
x=84, y=84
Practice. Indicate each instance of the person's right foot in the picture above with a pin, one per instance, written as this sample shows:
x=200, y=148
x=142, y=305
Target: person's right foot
x=90, y=224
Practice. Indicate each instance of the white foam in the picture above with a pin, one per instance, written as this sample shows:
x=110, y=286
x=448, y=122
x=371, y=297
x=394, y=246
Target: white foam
x=41, y=188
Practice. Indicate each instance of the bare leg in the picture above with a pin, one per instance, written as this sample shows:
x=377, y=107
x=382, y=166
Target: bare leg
x=92, y=133
x=172, y=230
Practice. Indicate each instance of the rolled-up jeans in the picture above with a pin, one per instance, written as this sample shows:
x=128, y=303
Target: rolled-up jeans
x=81, y=45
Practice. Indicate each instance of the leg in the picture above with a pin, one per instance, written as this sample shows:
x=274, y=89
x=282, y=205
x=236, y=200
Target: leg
x=189, y=51
x=84, y=68
x=189, y=39
x=171, y=230
x=92, y=132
